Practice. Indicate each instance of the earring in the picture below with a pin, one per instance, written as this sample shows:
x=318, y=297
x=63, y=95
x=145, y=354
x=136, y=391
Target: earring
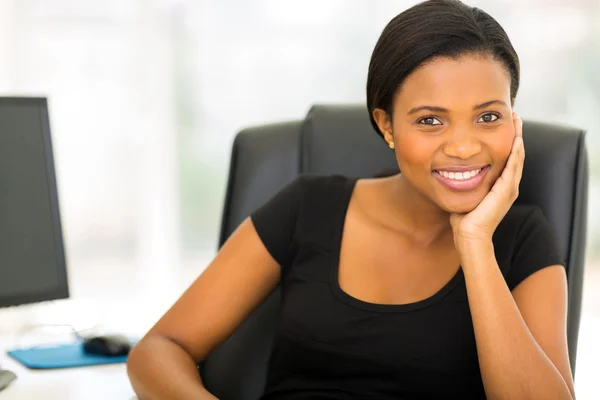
x=391, y=144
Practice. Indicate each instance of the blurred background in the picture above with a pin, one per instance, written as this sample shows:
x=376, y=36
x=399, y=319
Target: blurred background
x=146, y=96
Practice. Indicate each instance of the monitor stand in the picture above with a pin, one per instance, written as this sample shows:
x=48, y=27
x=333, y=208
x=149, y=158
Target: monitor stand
x=6, y=377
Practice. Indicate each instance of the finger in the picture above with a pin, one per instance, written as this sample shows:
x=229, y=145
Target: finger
x=518, y=163
x=513, y=158
x=521, y=151
x=508, y=182
x=516, y=152
x=518, y=124
x=511, y=170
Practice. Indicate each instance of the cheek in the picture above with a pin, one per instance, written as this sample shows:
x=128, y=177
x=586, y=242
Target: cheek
x=413, y=152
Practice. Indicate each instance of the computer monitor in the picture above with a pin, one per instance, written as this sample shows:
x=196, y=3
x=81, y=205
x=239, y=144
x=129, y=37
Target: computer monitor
x=32, y=256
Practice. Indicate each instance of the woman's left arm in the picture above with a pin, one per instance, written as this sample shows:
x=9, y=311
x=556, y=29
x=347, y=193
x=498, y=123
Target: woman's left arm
x=521, y=336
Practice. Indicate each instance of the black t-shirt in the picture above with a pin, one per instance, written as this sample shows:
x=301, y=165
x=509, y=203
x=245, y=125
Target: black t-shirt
x=330, y=345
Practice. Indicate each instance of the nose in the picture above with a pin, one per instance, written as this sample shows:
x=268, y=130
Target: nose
x=462, y=145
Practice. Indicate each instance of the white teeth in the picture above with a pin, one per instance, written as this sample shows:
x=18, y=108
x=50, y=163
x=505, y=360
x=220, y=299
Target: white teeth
x=460, y=176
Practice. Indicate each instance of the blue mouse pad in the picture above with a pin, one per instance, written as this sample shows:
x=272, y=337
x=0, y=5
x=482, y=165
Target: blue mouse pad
x=60, y=356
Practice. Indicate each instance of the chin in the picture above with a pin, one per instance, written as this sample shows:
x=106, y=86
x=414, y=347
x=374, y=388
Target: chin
x=462, y=209
x=460, y=206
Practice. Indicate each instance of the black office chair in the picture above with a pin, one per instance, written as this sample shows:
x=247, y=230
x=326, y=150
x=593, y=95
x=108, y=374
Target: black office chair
x=340, y=140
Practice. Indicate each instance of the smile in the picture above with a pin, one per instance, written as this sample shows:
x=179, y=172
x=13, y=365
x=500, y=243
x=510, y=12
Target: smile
x=461, y=181
x=460, y=176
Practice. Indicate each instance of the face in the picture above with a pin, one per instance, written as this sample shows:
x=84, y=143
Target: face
x=452, y=128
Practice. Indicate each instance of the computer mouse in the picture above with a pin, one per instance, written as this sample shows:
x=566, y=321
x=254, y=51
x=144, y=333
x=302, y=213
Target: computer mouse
x=6, y=377
x=107, y=345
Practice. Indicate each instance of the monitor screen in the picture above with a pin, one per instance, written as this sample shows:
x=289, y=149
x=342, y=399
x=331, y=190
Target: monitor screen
x=32, y=259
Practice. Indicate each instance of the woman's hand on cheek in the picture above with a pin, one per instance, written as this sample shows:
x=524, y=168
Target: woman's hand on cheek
x=479, y=225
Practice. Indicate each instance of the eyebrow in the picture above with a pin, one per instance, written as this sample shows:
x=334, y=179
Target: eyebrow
x=445, y=110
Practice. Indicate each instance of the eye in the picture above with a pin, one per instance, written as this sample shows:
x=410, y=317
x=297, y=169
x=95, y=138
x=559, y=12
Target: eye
x=489, y=117
x=429, y=121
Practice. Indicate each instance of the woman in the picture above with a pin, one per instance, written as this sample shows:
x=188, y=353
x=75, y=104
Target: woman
x=425, y=284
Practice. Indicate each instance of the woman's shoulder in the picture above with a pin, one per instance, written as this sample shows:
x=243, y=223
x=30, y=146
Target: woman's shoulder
x=506, y=235
x=523, y=225
x=313, y=188
x=307, y=196
x=300, y=210
x=524, y=243
x=308, y=189
x=520, y=215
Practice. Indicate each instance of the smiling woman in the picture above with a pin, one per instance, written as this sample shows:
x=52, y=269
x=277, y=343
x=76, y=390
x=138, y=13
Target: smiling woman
x=426, y=284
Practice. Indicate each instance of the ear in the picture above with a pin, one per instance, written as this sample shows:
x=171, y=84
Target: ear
x=384, y=123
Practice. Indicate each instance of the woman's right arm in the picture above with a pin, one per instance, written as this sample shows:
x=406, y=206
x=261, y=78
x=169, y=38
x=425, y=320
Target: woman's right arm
x=162, y=365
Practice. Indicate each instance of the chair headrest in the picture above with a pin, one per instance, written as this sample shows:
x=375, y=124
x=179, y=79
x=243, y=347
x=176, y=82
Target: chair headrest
x=340, y=140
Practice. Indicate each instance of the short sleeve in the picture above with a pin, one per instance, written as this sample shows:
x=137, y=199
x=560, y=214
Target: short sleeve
x=275, y=221
x=535, y=249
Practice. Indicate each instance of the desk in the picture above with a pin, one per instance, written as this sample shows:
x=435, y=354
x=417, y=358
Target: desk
x=103, y=382
x=132, y=307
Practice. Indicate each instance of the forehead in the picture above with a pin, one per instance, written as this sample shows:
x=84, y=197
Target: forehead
x=449, y=83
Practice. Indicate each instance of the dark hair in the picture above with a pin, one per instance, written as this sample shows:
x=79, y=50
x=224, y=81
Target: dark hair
x=434, y=28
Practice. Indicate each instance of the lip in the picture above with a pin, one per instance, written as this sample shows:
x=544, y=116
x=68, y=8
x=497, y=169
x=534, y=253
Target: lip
x=466, y=185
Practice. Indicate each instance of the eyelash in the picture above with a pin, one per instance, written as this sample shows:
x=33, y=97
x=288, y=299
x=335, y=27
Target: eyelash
x=420, y=120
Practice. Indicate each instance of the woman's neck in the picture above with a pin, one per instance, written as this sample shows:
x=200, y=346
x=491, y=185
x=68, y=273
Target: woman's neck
x=414, y=212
